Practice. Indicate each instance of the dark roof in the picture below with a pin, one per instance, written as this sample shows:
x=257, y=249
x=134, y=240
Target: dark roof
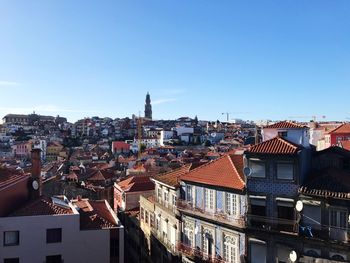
x=335, y=150
x=331, y=183
x=276, y=145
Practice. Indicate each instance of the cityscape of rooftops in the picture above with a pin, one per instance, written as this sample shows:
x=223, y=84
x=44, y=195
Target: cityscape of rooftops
x=174, y=131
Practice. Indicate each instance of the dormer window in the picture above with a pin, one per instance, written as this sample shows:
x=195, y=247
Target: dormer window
x=283, y=134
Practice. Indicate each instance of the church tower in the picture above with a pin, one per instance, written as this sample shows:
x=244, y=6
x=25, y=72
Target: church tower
x=148, y=107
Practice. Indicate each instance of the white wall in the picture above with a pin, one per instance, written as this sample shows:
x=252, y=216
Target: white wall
x=182, y=129
x=298, y=136
x=76, y=246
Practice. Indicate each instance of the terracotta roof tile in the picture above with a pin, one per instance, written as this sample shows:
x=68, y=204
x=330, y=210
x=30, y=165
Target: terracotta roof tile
x=137, y=183
x=285, y=125
x=95, y=214
x=42, y=206
x=9, y=176
x=172, y=178
x=220, y=172
x=344, y=128
x=276, y=145
x=345, y=145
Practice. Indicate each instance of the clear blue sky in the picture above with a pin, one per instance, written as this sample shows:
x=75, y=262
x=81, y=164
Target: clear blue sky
x=257, y=59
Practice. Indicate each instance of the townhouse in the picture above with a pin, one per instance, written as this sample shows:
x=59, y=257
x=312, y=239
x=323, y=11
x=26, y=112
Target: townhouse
x=212, y=207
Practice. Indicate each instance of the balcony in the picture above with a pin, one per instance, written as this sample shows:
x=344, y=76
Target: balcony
x=219, y=216
x=165, y=241
x=273, y=224
x=197, y=254
x=166, y=205
x=327, y=233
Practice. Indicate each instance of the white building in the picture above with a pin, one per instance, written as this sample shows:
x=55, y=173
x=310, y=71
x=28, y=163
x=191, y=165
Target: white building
x=56, y=230
x=290, y=131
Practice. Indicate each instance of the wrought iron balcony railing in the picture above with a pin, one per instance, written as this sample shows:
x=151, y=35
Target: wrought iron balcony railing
x=218, y=216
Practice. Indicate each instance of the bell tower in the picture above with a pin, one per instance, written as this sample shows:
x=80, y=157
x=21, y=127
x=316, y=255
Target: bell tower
x=148, y=107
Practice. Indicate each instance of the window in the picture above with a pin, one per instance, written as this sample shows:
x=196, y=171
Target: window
x=285, y=171
x=258, y=169
x=142, y=213
x=54, y=259
x=283, y=134
x=189, y=193
x=258, y=251
x=151, y=219
x=258, y=206
x=285, y=209
x=11, y=260
x=189, y=237
x=209, y=199
x=146, y=217
x=54, y=235
x=231, y=204
x=174, y=200
x=229, y=249
x=166, y=197
x=338, y=219
x=159, y=194
x=11, y=238
x=207, y=242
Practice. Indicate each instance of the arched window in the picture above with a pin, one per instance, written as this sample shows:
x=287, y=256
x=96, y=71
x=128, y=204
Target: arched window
x=230, y=249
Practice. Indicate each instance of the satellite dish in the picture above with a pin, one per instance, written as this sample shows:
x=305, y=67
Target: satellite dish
x=299, y=206
x=293, y=256
x=213, y=134
x=247, y=171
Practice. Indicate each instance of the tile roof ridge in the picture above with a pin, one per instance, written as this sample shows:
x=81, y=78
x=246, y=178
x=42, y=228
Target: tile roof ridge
x=234, y=167
x=289, y=142
x=205, y=164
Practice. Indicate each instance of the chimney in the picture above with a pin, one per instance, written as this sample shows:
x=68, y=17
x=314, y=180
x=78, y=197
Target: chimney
x=36, y=187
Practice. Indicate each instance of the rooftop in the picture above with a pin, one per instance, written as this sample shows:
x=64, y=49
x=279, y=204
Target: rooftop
x=276, y=145
x=344, y=128
x=10, y=176
x=221, y=172
x=137, y=183
x=95, y=214
x=172, y=178
x=328, y=183
x=44, y=206
x=285, y=125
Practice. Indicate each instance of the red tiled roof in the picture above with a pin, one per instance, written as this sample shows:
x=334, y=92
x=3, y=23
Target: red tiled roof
x=137, y=183
x=344, y=128
x=121, y=145
x=42, y=206
x=172, y=178
x=285, y=125
x=345, y=145
x=220, y=172
x=95, y=214
x=9, y=176
x=276, y=145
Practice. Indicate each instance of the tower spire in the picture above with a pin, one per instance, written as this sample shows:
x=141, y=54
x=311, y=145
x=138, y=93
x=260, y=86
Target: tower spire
x=148, y=107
